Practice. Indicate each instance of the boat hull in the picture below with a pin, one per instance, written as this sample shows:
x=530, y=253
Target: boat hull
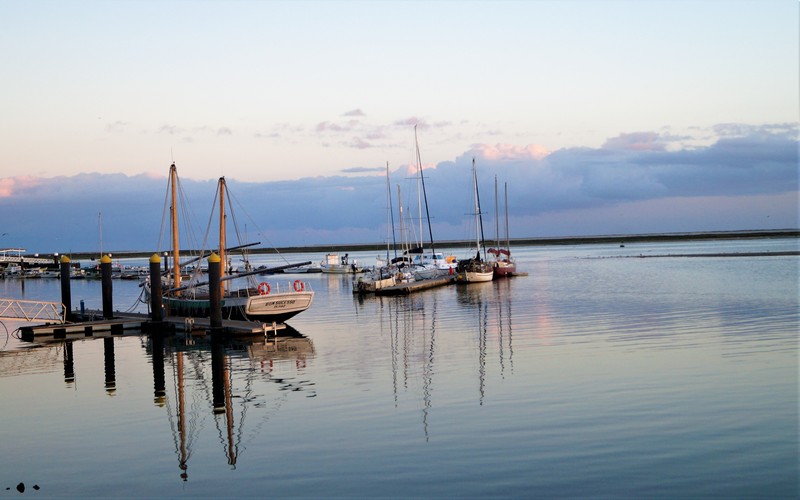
x=269, y=308
x=339, y=269
x=478, y=276
x=503, y=269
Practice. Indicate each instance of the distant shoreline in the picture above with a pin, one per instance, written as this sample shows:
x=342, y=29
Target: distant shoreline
x=531, y=241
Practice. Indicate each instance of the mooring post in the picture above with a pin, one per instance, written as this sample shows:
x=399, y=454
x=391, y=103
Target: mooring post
x=155, y=288
x=105, y=276
x=66, y=295
x=215, y=299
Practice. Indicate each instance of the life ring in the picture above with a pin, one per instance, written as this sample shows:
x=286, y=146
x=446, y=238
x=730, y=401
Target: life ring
x=299, y=286
x=263, y=288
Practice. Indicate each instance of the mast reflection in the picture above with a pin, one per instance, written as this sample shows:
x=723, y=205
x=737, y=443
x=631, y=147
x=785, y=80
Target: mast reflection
x=412, y=336
x=239, y=368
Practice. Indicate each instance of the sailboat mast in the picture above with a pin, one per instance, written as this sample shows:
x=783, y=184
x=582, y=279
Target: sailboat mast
x=388, y=211
x=478, y=217
x=222, y=232
x=402, y=222
x=508, y=242
x=391, y=212
x=176, y=265
x=424, y=194
x=496, y=216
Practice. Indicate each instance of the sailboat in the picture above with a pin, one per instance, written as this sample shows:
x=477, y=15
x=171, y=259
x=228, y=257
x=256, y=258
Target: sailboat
x=255, y=302
x=385, y=272
x=426, y=264
x=475, y=269
x=504, y=264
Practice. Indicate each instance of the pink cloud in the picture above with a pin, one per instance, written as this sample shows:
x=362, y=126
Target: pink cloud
x=12, y=185
x=508, y=152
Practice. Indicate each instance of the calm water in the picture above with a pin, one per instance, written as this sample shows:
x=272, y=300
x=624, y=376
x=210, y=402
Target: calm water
x=595, y=376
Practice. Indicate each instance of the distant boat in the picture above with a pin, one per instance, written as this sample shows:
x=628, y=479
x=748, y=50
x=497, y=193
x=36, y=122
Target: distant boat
x=262, y=301
x=475, y=269
x=503, y=263
x=333, y=263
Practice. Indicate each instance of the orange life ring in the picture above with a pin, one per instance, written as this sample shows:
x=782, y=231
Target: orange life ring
x=263, y=288
x=299, y=286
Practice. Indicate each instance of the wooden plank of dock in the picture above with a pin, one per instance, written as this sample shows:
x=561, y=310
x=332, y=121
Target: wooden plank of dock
x=415, y=286
x=141, y=323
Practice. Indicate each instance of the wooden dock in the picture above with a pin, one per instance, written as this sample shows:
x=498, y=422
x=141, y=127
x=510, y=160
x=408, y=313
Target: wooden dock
x=140, y=323
x=416, y=286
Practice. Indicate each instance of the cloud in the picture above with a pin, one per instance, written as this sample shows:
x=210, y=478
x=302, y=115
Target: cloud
x=328, y=126
x=359, y=143
x=354, y=112
x=116, y=127
x=170, y=129
x=361, y=170
x=640, y=141
x=755, y=171
x=17, y=186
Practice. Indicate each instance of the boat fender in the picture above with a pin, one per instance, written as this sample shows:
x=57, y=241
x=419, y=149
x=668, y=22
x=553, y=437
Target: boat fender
x=263, y=288
x=299, y=286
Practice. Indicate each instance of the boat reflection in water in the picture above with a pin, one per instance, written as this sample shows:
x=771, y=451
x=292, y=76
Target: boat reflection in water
x=237, y=370
x=216, y=377
x=413, y=324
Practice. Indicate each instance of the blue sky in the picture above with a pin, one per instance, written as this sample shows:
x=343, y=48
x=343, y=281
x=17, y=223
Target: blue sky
x=604, y=117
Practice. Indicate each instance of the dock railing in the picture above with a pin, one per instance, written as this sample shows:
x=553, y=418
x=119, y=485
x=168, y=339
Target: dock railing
x=32, y=310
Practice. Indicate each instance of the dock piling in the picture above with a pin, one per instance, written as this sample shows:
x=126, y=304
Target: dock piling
x=155, y=288
x=215, y=291
x=66, y=294
x=105, y=275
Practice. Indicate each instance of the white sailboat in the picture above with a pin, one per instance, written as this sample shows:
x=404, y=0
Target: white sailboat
x=426, y=263
x=475, y=269
x=385, y=273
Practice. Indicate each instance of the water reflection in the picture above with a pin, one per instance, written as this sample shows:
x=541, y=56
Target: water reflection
x=109, y=364
x=419, y=332
x=488, y=307
x=197, y=379
x=237, y=369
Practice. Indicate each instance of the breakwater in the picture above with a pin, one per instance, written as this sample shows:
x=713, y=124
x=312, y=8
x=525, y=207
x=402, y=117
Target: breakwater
x=531, y=241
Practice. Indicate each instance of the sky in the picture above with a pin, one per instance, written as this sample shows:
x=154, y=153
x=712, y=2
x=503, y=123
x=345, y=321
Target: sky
x=604, y=117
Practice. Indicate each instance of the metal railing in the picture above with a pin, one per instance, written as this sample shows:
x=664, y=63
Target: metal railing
x=31, y=310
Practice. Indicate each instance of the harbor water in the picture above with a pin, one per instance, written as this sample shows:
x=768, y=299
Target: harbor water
x=655, y=370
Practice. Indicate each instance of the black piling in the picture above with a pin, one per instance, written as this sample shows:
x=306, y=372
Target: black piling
x=215, y=292
x=105, y=275
x=155, y=288
x=66, y=294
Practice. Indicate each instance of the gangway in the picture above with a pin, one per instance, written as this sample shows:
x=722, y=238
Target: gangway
x=32, y=310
